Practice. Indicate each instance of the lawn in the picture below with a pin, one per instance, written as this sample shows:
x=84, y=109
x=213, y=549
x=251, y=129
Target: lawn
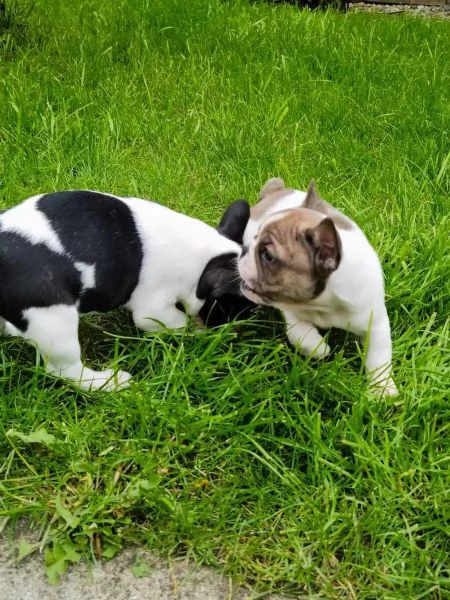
x=230, y=448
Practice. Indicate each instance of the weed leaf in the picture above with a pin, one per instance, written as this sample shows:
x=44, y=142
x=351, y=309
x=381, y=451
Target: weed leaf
x=58, y=560
x=40, y=436
x=141, y=569
x=65, y=513
x=25, y=548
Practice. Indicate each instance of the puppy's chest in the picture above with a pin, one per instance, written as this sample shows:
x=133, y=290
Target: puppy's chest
x=325, y=319
x=335, y=313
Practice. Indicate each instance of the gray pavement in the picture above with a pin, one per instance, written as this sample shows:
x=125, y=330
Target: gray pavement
x=114, y=580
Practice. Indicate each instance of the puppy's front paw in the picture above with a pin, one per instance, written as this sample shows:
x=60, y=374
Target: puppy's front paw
x=117, y=380
x=384, y=388
x=106, y=381
x=307, y=339
x=123, y=380
x=198, y=324
x=8, y=330
x=321, y=351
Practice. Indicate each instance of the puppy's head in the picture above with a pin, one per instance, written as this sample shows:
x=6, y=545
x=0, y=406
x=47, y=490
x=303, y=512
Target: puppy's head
x=291, y=258
x=219, y=284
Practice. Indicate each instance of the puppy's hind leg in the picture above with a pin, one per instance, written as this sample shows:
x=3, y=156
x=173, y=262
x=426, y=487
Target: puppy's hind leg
x=54, y=330
x=378, y=357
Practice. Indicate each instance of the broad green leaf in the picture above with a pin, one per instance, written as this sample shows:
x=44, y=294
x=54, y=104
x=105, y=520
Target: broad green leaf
x=25, y=548
x=142, y=486
x=57, y=559
x=55, y=570
x=40, y=436
x=151, y=482
x=141, y=569
x=110, y=551
x=65, y=513
x=70, y=551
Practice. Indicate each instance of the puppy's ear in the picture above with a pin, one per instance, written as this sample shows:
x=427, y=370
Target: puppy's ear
x=219, y=277
x=326, y=245
x=272, y=185
x=234, y=221
x=313, y=199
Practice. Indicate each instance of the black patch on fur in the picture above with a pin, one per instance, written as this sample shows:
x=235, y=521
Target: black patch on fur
x=32, y=275
x=225, y=309
x=220, y=285
x=98, y=229
x=219, y=277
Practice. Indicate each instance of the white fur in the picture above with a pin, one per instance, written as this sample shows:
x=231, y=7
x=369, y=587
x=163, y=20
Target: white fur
x=291, y=200
x=54, y=330
x=25, y=219
x=176, y=250
x=353, y=300
x=87, y=274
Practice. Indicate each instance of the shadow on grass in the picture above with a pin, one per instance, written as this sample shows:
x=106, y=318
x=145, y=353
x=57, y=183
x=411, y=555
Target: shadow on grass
x=14, y=26
x=112, y=338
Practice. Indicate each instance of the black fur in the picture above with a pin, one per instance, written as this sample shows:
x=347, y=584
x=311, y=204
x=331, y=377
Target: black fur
x=33, y=275
x=234, y=221
x=220, y=284
x=97, y=228
x=219, y=277
x=93, y=228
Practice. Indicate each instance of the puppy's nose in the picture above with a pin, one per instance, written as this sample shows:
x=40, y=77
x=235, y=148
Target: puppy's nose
x=244, y=250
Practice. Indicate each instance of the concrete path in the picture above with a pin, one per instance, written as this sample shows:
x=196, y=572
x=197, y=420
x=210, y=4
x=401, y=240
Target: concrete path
x=114, y=580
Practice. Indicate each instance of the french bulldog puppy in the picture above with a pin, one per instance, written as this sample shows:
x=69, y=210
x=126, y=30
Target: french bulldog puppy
x=72, y=252
x=226, y=303
x=306, y=258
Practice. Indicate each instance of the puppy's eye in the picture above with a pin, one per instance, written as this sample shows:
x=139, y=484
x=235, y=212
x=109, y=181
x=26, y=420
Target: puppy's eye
x=266, y=256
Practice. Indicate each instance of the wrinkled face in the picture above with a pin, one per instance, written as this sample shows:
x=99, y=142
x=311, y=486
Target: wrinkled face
x=290, y=259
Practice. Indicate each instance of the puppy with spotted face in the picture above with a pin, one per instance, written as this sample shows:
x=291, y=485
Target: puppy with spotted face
x=74, y=252
x=306, y=258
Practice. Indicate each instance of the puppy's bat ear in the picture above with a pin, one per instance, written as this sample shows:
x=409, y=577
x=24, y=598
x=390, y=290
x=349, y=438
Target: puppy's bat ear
x=326, y=244
x=272, y=185
x=234, y=221
x=313, y=199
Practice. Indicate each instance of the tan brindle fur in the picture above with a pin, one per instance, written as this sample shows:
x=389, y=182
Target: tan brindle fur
x=292, y=276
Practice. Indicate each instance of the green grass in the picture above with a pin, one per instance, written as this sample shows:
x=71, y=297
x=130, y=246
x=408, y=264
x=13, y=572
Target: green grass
x=230, y=448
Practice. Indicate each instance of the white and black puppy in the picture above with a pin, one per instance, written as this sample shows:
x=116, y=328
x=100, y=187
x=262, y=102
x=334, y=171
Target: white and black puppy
x=303, y=256
x=72, y=252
